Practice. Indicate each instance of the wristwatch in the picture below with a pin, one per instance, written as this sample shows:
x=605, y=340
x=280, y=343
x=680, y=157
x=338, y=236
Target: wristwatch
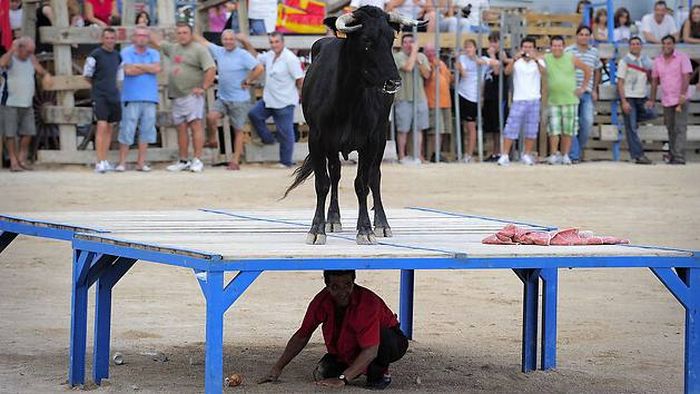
x=342, y=377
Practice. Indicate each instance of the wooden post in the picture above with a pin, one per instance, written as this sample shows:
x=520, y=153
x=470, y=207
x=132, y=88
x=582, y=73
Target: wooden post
x=243, y=17
x=64, y=66
x=128, y=13
x=29, y=18
x=166, y=13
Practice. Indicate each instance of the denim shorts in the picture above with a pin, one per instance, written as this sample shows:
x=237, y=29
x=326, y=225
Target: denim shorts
x=237, y=111
x=403, y=113
x=141, y=115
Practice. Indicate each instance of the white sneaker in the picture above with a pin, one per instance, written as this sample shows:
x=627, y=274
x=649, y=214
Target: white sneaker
x=554, y=159
x=120, y=168
x=179, y=166
x=504, y=160
x=566, y=160
x=102, y=167
x=197, y=165
x=527, y=160
x=467, y=159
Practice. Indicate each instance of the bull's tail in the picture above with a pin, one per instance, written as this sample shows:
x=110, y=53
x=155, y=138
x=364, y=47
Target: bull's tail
x=301, y=174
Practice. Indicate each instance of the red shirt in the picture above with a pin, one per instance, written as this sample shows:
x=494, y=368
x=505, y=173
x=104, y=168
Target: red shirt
x=102, y=9
x=364, y=317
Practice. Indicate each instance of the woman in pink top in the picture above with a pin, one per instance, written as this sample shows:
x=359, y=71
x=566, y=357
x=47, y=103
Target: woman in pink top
x=100, y=12
x=217, y=19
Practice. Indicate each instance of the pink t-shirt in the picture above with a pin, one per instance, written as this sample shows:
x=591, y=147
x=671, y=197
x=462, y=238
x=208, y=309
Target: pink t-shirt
x=671, y=73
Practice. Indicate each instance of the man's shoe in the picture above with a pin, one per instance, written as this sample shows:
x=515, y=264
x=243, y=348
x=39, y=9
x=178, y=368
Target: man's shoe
x=527, y=160
x=503, y=160
x=565, y=160
x=379, y=384
x=179, y=166
x=197, y=165
x=675, y=161
x=643, y=160
x=554, y=158
x=492, y=158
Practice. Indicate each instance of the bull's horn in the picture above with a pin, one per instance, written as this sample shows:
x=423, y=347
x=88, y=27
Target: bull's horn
x=396, y=17
x=343, y=20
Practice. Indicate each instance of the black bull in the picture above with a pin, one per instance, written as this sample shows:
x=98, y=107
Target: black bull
x=346, y=98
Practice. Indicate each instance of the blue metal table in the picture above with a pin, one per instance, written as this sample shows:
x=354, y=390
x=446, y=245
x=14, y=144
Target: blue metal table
x=251, y=242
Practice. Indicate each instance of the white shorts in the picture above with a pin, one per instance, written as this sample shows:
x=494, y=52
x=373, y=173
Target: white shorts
x=188, y=109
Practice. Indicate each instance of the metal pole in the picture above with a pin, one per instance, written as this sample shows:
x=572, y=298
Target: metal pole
x=612, y=65
x=501, y=108
x=458, y=121
x=415, y=130
x=437, y=84
x=479, y=86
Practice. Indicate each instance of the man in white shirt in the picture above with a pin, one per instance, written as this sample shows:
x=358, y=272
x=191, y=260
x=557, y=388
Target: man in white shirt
x=355, y=4
x=527, y=70
x=262, y=16
x=283, y=80
x=659, y=24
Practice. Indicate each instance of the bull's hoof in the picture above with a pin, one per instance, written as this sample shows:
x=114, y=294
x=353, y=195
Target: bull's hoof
x=366, y=239
x=334, y=227
x=383, y=232
x=315, y=239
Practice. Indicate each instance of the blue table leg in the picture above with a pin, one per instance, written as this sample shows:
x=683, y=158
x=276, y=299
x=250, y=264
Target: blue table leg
x=406, y=302
x=109, y=277
x=550, y=278
x=531, y=282
x=684, y=284
x=78, y=323
x=6, y=239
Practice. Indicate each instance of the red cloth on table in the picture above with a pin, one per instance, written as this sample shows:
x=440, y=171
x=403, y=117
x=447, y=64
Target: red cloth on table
x=514, y=235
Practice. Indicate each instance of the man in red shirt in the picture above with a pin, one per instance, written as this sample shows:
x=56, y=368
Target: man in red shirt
x=361, y=334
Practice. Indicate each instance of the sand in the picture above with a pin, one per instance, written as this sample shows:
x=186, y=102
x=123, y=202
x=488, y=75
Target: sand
x=619, y=329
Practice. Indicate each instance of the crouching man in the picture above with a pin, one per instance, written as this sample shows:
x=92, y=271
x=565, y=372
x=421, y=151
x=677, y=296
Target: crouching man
x=361, y=333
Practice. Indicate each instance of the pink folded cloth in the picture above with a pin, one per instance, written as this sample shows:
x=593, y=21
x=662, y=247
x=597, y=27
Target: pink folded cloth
x=514, y=235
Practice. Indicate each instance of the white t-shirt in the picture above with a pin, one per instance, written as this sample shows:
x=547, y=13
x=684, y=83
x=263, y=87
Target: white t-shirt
x=469, y=85
x=622, y=34
x=478, y=7
x=16, y=19
x=410, y=8
x=280, y=78
x=526, y=80
x=361, y=3
x=265, y=10
x=667, y=26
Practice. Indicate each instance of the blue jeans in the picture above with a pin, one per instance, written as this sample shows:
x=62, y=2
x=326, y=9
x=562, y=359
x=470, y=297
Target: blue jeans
x=638, y=112
x=257, y=27
x=585, y=122
x=284, y=120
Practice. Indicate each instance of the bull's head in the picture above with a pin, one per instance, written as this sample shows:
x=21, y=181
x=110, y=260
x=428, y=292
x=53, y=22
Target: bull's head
x=370, y=34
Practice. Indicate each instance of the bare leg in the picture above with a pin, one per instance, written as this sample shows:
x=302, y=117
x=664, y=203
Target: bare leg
x=24, y=143
x=237, y=150
x=507, y=144
x=183, y=141
x=197, y=137
x=553, y=144
x=565, y=144
x=123, y=152
x=529, y=145
x=401, y=138
x=12, y=151
x=471, y=138
x=212, y=128
x=102, y=139
x=143, y=149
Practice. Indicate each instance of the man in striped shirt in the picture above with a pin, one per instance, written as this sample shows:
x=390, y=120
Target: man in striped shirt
x=583, y=51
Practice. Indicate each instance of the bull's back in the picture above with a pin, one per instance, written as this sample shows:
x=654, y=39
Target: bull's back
x=321, y=75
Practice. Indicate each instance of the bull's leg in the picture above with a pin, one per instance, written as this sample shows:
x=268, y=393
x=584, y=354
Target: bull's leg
x=333, y=220
x=365, y=236
x=317, y=233
x=381, y=225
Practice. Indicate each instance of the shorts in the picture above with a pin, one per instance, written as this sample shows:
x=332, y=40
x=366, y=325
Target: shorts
x=237, y=111
x=467, y=110
x=563, y=119
x=17, y=120
x=490, y=119
x=187, y=109
x=524, y=114
x=445, y=121
x=139, y=114
x=105, y=110
x=403, y=113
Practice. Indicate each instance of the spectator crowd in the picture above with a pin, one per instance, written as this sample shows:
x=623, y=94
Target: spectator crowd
x=484, y=85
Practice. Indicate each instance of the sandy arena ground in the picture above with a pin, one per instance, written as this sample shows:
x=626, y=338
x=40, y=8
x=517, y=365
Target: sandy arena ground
x=619, y=329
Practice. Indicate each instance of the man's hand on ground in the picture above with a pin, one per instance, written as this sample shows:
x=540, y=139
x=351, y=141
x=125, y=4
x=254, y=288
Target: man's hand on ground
x=331, y=382
x=272, y=376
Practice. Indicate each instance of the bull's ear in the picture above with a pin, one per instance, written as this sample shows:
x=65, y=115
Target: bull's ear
x=330, y=22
